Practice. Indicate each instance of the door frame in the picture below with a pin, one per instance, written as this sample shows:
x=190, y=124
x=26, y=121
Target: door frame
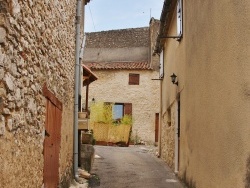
x=157, y=122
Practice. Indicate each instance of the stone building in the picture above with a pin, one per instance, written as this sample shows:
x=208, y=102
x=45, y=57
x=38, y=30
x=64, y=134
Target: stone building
x=37, y=57
x=205, y=117
x=123, y=61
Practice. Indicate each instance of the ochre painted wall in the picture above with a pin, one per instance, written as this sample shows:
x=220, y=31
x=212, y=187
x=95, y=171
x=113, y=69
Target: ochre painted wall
x=212, y=65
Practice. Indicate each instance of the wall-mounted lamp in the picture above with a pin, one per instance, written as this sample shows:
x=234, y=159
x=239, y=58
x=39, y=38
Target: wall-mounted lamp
x=173, y=78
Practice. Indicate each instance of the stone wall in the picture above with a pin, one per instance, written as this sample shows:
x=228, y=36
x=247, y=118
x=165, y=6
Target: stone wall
x=153, y=32
x=168, y=136
x=36, y=48
x=127, y=45
x=113, y=87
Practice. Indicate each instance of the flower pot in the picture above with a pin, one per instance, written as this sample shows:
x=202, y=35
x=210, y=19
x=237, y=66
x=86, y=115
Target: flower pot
x=82, y=115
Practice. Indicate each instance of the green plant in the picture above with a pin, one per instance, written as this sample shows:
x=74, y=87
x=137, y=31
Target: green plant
x=101, y=113
x=127, y=120
x=93, y=140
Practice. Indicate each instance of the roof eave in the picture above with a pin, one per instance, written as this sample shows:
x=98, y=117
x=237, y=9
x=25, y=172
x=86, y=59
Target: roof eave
x=165, y=20
x=89, y=75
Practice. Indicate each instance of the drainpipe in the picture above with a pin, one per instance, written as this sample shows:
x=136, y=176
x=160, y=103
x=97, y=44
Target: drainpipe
x=160, y=127
x=77, y=68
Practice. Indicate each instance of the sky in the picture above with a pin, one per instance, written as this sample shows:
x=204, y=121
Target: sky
x=104, y=15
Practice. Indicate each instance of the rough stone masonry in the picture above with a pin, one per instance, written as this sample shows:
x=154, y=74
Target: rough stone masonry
x=36, y=48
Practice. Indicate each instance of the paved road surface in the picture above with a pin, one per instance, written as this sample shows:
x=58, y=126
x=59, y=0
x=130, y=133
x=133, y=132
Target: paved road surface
x=132, y=167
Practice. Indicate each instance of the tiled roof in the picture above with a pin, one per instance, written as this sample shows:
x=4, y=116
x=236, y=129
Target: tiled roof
x=122, y=38
x=118, y=65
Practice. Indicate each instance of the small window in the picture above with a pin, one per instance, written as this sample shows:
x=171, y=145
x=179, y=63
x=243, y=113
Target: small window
x=179, y=18
x=118, y=111
x=134, y=79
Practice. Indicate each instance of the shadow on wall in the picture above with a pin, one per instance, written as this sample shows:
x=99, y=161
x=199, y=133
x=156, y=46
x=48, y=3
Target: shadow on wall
x=247, y=180
x=3, y=7
x=188, y=182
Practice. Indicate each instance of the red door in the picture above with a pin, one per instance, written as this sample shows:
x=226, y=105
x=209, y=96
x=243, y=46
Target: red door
x=52, y=145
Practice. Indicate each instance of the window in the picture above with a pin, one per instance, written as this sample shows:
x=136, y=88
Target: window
x=179, y=18
x=134, y=79
x=118, y=111
x=161, y=64
x=121, y=109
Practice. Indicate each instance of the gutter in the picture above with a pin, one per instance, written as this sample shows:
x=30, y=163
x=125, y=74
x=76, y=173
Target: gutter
x=77, y=77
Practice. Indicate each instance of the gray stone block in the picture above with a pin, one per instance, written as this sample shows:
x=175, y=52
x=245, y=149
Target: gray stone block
x=2, y=126
x=87, y=156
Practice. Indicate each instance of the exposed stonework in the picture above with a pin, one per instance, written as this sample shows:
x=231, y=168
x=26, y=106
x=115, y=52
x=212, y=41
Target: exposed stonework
x=37, y=40
x=153, y=31
x=2, y=35
x=168, y=137
x=113, y=87
x=2, y=125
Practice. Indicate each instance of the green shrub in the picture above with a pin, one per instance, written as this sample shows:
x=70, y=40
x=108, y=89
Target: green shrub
x=101, y=113
x=127, y=120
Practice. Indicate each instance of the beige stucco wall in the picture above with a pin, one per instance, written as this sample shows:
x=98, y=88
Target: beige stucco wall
x=36, y=47
x=212, y=65
x=112, y=86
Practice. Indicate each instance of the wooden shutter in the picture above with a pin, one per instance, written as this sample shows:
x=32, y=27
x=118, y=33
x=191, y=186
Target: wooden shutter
x=127, y=109
x=134, y=79
x=179, y=18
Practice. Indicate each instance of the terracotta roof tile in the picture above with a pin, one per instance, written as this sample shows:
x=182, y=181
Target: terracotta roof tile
x=119, y=65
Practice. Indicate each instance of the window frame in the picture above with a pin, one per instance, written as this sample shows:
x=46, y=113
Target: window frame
x=113, y=111
x=179, y=19
x=127, y=110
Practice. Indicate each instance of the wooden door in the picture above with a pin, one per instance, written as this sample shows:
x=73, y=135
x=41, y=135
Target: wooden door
x=52, y=145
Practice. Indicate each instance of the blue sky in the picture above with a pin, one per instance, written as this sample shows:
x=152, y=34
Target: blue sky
x=120, y=14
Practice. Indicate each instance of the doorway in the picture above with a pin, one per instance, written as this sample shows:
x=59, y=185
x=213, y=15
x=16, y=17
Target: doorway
x=52, y=142
x=156, y=128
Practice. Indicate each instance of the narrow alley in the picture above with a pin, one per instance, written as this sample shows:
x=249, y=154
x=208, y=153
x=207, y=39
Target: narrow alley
x=80, y=78
x=133, y=166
